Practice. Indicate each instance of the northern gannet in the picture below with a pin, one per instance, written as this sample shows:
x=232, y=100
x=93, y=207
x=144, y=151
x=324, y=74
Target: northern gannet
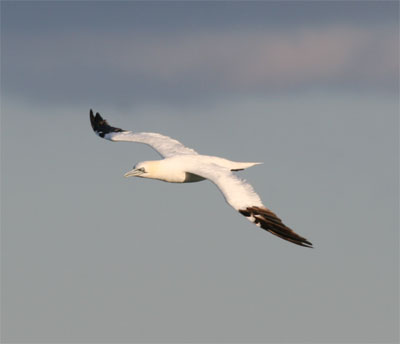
x=184, y=165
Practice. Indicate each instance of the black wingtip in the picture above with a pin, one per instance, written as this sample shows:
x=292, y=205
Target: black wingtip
x=100, y=125
x=91, y=118
x=267, y=220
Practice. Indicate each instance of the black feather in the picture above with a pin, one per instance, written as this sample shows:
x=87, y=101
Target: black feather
x=101, y=126
x=270, y=222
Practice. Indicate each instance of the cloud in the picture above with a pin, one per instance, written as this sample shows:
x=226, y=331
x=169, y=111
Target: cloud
x=187, y=65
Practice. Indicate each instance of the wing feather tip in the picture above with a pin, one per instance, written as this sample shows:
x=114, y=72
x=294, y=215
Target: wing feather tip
x=268, y=221
x=92, y=119
x=100, y=126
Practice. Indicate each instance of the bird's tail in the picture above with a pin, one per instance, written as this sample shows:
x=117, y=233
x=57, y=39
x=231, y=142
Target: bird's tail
x=239, y=166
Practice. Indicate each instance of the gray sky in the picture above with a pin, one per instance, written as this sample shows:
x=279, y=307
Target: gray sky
x=135, y=52
x=310, y=88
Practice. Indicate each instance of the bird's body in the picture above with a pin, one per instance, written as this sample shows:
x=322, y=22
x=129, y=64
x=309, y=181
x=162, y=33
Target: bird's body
x=184, y=165
x=176, y=168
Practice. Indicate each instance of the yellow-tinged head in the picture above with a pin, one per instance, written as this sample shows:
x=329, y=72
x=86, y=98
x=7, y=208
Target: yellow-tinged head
x=144, y=169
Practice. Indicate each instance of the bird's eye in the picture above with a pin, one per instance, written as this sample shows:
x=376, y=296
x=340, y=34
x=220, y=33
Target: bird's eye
x=142, y=169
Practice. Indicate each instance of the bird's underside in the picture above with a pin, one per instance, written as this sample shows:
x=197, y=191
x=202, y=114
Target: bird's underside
x=237, y=192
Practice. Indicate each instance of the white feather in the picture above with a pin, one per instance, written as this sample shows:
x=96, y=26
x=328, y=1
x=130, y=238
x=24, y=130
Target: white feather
x=164, y=145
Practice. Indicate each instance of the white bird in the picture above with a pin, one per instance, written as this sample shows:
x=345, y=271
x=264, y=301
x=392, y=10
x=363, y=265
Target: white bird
x=184, y=165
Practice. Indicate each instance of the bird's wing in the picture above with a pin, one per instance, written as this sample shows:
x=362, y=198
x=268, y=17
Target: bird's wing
x=242, y=197
x=164, y=145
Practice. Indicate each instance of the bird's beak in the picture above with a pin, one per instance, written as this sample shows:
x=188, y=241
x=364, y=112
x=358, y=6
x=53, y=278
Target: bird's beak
x=134, y=172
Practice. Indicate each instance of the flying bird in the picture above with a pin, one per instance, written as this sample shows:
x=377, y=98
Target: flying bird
x=181, y=164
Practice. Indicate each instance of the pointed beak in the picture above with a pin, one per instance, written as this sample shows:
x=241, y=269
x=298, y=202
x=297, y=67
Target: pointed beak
x=134, y=172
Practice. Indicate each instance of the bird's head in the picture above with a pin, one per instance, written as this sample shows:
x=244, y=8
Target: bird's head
x=144, y=169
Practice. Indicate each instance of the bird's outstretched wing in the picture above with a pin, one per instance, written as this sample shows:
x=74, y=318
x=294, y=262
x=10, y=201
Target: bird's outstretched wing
x=242, y=197
x=164, y=145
